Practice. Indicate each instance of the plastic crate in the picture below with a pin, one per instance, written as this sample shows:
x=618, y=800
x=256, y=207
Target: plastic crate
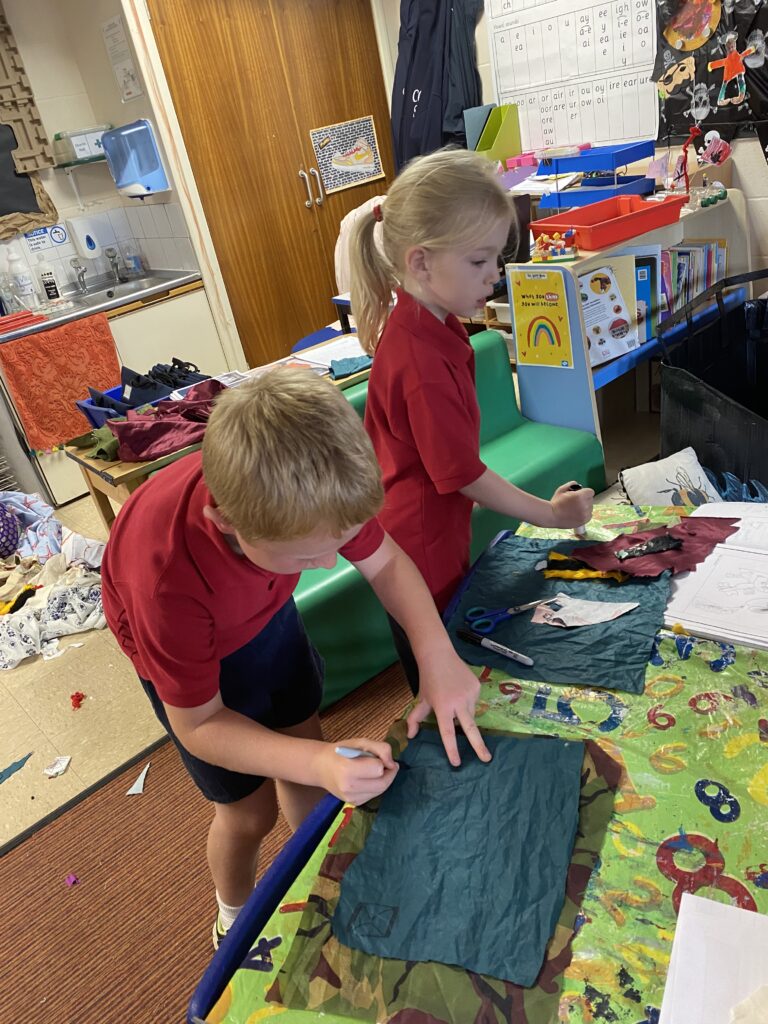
x=97, y=416
x=613, y=220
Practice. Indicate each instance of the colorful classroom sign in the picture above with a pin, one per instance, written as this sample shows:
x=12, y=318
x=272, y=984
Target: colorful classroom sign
x=542, y=334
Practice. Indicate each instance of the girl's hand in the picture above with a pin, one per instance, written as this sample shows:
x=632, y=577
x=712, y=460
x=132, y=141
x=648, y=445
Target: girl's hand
x=572, y=507
x=356, y=780
x=450, y=689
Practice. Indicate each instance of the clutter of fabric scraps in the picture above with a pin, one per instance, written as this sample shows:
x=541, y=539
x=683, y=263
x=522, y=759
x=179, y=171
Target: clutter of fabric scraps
x=50, y=585
x=521, y=585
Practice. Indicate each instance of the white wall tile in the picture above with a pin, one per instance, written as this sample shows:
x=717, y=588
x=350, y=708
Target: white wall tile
x=171, y=258
x=186, y=254
x=120, y=225
x=162, y=223
x=153, y=250
x=176, y=218
x=136, y=222
x=149, y=223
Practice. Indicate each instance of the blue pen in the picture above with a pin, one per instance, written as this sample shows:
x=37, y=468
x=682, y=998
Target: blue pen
x=352, y=752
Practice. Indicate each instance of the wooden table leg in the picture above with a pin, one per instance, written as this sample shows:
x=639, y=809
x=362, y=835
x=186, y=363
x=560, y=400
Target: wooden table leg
x=100, y=499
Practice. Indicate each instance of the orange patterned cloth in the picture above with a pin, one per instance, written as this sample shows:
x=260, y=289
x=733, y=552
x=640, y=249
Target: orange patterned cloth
x=47, y=373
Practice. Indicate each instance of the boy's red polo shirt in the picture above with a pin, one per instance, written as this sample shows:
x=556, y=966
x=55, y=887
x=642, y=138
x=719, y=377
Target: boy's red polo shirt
x=424, y=421
x=177, y=596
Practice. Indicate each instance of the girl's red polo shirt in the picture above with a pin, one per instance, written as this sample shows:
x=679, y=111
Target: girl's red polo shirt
x=422, y=416
x=177, y=596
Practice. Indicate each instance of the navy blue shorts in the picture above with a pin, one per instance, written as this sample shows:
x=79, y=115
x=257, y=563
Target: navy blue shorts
x=276, y=679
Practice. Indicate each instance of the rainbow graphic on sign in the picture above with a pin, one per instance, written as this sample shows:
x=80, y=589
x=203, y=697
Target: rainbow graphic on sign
x=540, y=313
x=541, y=331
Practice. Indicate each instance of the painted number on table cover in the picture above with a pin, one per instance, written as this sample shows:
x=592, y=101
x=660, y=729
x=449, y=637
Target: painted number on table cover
x=709, y=875
x=723, y=806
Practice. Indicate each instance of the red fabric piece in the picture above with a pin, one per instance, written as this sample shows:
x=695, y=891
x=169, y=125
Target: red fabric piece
x=48, y=372
x=423, y=419
x=176, y=595
x=699, y=535
x=77, y=699
x=168, y=427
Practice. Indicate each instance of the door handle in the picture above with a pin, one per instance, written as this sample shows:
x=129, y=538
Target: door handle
x=308, y=201
x=321, y=197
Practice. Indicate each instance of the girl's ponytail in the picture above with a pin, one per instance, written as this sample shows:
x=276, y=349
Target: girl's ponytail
x=372, y=282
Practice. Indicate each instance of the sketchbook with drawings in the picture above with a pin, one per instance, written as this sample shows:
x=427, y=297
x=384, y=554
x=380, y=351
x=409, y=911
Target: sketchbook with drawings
x=726, y=597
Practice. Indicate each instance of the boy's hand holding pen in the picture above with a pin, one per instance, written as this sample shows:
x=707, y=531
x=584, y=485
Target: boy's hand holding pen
x=572, y=506
x=356, y=770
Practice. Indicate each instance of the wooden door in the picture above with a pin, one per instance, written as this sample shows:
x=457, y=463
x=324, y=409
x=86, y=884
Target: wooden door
x=226, y=75
x=334, y=74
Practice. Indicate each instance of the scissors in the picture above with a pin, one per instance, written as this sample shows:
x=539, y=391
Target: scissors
x=485, y=620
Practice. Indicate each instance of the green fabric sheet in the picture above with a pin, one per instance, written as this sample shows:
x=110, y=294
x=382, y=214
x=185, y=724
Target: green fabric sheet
x=613, y=655
x=467, y=865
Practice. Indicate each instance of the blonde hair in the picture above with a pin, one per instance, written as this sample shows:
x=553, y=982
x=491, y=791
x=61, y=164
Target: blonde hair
x=442, y=201
x=286, y=453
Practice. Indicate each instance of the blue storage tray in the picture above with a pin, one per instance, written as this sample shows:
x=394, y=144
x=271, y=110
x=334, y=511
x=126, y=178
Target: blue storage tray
x=599, y=158
x=597, y=189
x=97, y=416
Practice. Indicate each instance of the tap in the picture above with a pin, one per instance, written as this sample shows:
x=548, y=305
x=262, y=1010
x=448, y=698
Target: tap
x=114, y=263
x=81, y=271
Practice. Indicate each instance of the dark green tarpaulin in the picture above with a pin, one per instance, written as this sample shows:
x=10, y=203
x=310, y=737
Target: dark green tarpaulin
x=613, y=655
x=467, y=866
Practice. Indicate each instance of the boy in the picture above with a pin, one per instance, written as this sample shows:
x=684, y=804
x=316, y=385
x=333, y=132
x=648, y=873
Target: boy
x=197, y=582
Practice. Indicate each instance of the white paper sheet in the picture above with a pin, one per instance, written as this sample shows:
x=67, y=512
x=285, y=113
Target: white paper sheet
x=719, y=958
x=345, y=347
x=728, y=592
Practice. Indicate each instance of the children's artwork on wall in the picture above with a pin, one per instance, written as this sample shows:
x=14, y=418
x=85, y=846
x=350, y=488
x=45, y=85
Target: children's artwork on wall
x=710, y=70
x=692, y=24
x=347, y=154
x=578, y=72
x=540, y=311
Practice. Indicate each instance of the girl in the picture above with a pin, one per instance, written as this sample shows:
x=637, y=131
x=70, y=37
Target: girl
x=445, y=222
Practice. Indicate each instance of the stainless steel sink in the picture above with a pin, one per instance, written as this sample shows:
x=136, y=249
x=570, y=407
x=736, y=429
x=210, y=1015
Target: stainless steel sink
x=126, y=290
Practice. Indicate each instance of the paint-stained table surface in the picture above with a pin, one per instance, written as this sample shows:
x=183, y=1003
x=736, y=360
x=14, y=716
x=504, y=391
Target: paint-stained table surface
x=690, y=815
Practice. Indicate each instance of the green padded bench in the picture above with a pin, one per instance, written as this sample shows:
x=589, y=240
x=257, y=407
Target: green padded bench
x=342, y=614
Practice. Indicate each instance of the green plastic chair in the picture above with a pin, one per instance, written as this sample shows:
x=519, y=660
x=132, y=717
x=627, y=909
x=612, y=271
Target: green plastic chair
x=341, y=613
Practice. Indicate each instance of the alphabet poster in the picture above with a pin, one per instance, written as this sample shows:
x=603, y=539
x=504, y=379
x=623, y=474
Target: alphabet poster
x=578, y=71
x=542, y=334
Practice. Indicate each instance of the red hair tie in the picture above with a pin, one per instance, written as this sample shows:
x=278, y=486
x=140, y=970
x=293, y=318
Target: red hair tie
x=377, y=214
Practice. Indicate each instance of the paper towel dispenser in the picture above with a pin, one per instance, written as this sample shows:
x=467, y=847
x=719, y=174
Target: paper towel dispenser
x=134, y=159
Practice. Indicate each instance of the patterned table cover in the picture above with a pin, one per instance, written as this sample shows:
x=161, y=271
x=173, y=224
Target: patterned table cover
x=691, y=815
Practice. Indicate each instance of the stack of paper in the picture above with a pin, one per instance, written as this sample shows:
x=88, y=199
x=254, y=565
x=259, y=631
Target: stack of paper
x=542, y=184
x=718, y=960
x=726, y=597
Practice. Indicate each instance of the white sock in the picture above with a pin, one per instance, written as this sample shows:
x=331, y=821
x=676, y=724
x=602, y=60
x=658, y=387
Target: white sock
x=227, y=914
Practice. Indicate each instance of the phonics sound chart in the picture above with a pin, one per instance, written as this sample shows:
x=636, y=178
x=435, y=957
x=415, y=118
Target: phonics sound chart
x=578, y=71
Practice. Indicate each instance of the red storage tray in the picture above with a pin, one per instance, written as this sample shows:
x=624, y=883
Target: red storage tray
x=613, y=220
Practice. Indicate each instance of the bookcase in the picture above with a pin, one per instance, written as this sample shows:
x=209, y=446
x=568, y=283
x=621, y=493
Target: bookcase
x=567, y=395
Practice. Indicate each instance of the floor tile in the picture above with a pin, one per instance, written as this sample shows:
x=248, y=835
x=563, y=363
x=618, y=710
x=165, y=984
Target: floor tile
x=28, y=794
x=114, y=722
x=82, y=517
